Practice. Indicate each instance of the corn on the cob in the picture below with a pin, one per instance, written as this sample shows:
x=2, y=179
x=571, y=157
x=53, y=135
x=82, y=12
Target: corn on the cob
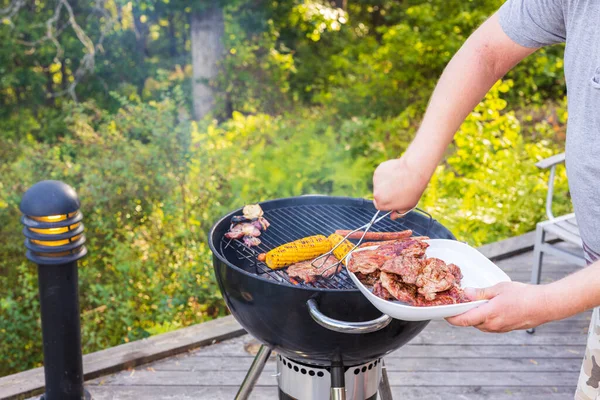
x=343, y=249
x=296, y=251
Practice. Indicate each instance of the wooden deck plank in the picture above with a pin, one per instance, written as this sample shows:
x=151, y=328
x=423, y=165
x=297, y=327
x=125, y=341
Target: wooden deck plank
x=235, y=348
x=405, y=364
x=128, y=355
x=270, y=393
x=145, y=377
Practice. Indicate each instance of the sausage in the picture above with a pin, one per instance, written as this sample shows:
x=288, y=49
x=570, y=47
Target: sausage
x=381, y=243
x=376, y=235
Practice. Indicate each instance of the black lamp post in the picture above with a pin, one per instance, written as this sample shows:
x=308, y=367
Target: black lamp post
x=55, y=241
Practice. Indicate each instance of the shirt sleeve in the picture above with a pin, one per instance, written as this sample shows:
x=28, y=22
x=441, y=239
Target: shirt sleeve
x=534, y=23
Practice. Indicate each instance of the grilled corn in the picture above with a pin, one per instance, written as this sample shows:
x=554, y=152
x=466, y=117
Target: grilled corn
x=343, y=249
x=296, y=251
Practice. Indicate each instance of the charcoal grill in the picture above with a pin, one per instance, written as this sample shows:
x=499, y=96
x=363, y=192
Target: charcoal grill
x=328, y=326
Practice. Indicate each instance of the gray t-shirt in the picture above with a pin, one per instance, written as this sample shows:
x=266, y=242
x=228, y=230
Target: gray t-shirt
x=537, y=23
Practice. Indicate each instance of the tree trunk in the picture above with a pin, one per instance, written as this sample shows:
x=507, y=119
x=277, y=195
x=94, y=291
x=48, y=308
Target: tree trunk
x=207, y=30
x=343, y=4
x=172, y=39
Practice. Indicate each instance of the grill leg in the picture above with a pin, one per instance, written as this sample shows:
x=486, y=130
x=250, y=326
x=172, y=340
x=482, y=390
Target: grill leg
x=253, y=373
x=385, y=391
x=338, y=384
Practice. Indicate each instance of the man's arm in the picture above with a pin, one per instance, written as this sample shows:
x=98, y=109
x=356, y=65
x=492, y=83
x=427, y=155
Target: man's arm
x=483, y=59
x=519, y=306
x=573, y=294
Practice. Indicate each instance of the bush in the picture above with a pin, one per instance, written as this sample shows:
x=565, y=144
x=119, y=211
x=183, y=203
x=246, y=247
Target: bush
x=489, y=188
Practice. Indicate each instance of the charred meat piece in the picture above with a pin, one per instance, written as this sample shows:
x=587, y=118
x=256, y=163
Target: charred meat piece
x=457, y=294
x=412, y=247
x=399, y=290
x=415, y=248
x=380, y=291
x=367, y=261
x=453, y=295
x=434, y=277
x=368, y=279
x=455, y=270
x=306, y=272
x=408, y=267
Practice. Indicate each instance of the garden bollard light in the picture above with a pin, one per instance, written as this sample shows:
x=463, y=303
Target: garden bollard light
x=55, y=241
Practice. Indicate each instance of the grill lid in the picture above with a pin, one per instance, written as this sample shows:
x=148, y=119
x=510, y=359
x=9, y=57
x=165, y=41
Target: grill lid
x=290, y=222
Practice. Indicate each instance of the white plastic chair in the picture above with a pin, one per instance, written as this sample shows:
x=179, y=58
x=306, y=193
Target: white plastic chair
x=563, y=227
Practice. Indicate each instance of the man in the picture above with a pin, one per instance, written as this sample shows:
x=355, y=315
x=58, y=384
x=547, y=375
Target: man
x=514, y=32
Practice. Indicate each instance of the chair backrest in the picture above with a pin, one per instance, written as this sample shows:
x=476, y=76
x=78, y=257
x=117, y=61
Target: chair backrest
x=551, y=162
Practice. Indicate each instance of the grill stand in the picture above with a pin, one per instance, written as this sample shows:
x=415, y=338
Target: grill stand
x=253, y=373
x=338, y=377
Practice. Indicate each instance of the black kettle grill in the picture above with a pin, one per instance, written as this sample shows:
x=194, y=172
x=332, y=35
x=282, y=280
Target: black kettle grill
x=329, y=338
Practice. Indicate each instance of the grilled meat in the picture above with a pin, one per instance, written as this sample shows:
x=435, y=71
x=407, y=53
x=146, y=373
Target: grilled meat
x=391, y=285
x=306, y=272
x=252, y=211
x=453, y=295
x=249, y=226
x=408, y=267
x=399, y=290
x=412, y=247
x=368, y=279
x=434, y=277
x=367, y=261
x=455, y=269
x=242, y=229
x=407, y=275
x=380, y=291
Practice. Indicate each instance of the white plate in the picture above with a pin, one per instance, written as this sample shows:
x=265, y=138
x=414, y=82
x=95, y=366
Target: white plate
x=477, y=270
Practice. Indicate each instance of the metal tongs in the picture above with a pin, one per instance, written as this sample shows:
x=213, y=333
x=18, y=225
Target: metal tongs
x=376, y=218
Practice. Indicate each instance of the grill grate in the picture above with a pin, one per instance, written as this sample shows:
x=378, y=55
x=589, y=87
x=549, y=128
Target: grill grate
x=295, y=222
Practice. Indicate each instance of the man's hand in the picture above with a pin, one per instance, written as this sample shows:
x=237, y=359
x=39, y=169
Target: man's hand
x=397, y=186
x=511, y=306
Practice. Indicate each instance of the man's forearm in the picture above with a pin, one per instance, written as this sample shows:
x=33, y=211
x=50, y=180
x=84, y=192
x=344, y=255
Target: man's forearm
x=573, y=294
x=484, y=58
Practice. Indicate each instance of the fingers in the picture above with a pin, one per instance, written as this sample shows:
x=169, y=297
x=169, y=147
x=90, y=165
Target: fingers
x=397, y=214
x=488, y=293
x=474, y=317
x=478, y=315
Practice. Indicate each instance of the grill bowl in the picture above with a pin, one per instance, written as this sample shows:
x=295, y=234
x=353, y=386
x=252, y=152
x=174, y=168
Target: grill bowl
x=275, y=311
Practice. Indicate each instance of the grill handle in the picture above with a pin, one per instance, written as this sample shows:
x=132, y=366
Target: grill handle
x=345, y=326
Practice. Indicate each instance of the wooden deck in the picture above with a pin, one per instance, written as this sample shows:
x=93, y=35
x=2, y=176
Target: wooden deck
x=443, y=362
